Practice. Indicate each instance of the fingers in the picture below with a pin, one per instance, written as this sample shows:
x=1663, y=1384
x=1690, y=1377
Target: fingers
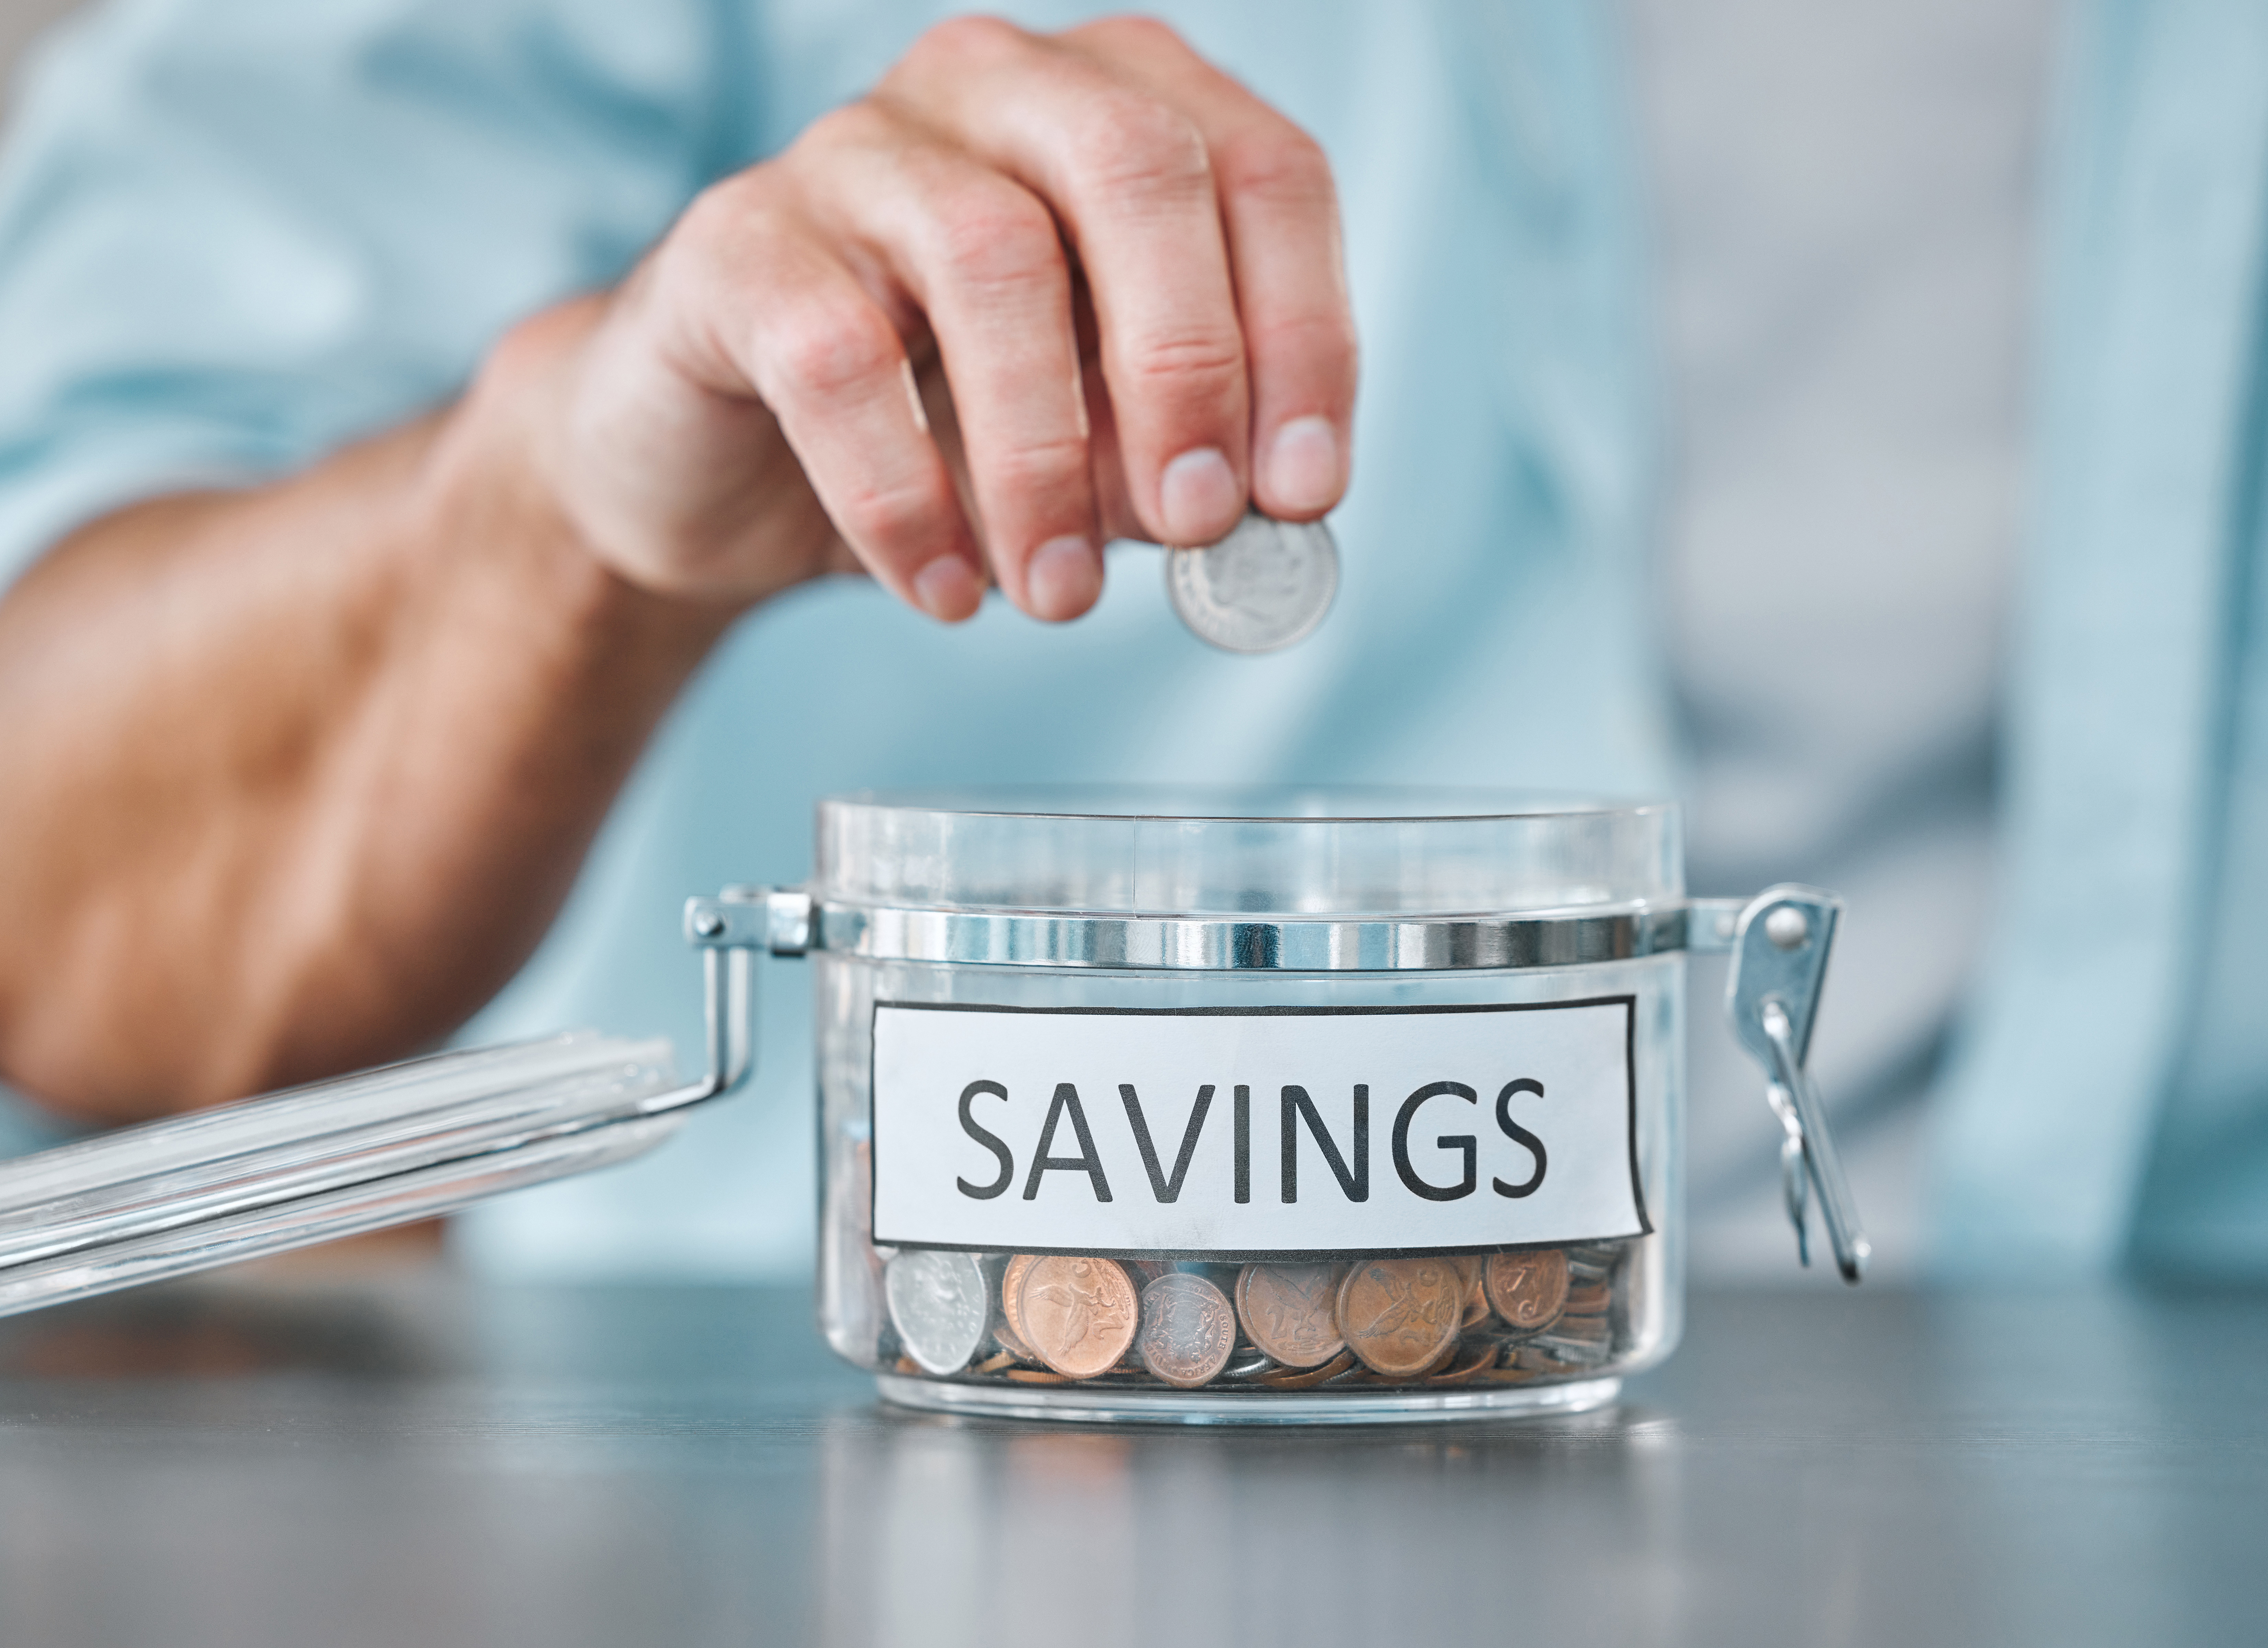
x=1280, y=209
x=1206, y=225
x=756, y=300
x=1127, y=176
x=1125, y=267
x=977, y=257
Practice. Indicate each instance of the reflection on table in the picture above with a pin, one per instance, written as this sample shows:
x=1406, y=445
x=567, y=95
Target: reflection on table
x=408, y=1457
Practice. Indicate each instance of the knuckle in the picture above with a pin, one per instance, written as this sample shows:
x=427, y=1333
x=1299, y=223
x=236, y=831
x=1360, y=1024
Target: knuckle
x=1038, y=466
x=998, y=237
x=723, y=212
x=1132, y=33
x=888, y=515
x=1134, y=26
x=820, y=351
x=1281, y=167
x=965, y=39
x=1323, y=335
x=1197, y=363
x=729, y=241
x=1136, y=148
x=855, y=125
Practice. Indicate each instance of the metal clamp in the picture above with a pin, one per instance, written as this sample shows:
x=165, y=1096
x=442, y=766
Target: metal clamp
x=1779, y=960
x=1780, y=941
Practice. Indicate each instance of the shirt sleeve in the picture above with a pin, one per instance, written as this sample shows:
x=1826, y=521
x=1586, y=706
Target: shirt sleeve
x=237, y=234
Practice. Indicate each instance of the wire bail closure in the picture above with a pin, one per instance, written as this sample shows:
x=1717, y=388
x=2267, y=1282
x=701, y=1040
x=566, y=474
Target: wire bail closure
x=1779, y=942
x=433, y=1135
x=1780, y=946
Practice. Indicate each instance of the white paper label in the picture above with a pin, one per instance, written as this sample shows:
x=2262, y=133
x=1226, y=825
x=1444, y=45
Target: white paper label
x=1274, y=1131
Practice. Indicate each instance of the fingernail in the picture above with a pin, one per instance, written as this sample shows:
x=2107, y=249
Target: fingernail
x=1199, y=496
x=1064, y=578
x=947, y=590
x=1303, y=466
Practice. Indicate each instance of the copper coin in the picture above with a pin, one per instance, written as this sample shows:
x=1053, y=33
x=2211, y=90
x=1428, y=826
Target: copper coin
x=1188, y=1330
x=1504, y=1375
x=1078, y=1313
x=1331, y=1369
x=1593, y=1264
x=1476, y=1306
x=1289, y=1311
x=1551, y=1354
x=1006, y=1337
x=1400, y=1315
x=1528, y=1290
x=1581, y=1330
x=1012, y=1285
x=1469, y=1362
x=1591, y=1298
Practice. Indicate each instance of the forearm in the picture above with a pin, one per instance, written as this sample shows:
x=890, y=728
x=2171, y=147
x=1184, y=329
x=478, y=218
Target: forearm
x=296, y=777
x=299, y=775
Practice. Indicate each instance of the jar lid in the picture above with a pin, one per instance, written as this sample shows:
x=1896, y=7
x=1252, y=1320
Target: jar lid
x=1260, y=852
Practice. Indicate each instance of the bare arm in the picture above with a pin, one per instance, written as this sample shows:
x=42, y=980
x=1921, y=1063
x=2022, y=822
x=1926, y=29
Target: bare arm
x=304, y=771
x=300, y=775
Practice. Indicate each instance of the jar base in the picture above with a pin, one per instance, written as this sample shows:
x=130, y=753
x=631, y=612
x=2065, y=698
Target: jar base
x=1252, y=1408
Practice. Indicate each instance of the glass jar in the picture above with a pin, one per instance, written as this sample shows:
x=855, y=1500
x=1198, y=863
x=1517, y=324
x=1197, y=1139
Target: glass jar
x=1286, y=1105
x=1272, y=1107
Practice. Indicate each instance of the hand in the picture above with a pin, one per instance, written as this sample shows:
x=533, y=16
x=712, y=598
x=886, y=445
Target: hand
x=1032, y=293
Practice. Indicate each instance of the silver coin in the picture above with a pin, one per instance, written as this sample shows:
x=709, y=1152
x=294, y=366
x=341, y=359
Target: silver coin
x=1188, y=1330
x=1580, y=1330
x=1569, y=1352
x=1251, y=1366
x=1266, y=586
x=938, y=1303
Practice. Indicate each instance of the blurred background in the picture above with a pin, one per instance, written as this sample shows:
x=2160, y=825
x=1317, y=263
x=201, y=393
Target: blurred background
x=1844, y=204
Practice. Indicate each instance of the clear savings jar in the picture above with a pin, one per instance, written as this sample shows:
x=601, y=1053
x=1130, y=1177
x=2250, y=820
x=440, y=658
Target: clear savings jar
x=1280, y=1106
x=1285, y=1106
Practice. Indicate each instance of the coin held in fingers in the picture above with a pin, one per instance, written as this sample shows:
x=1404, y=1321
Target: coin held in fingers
x=1266, y=586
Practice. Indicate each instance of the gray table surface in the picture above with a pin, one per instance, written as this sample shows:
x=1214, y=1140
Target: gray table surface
x=424, y=1461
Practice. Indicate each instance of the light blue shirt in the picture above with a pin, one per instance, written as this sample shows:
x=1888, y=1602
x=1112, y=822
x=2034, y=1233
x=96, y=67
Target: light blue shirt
x=234, y=233
x=2111, y=1098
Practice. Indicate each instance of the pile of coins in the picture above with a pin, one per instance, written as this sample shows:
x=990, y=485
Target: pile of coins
x=1429, y=1319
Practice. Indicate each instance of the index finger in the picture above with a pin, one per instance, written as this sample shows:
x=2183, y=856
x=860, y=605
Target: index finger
x=1128, y=175
x=1280, y=209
